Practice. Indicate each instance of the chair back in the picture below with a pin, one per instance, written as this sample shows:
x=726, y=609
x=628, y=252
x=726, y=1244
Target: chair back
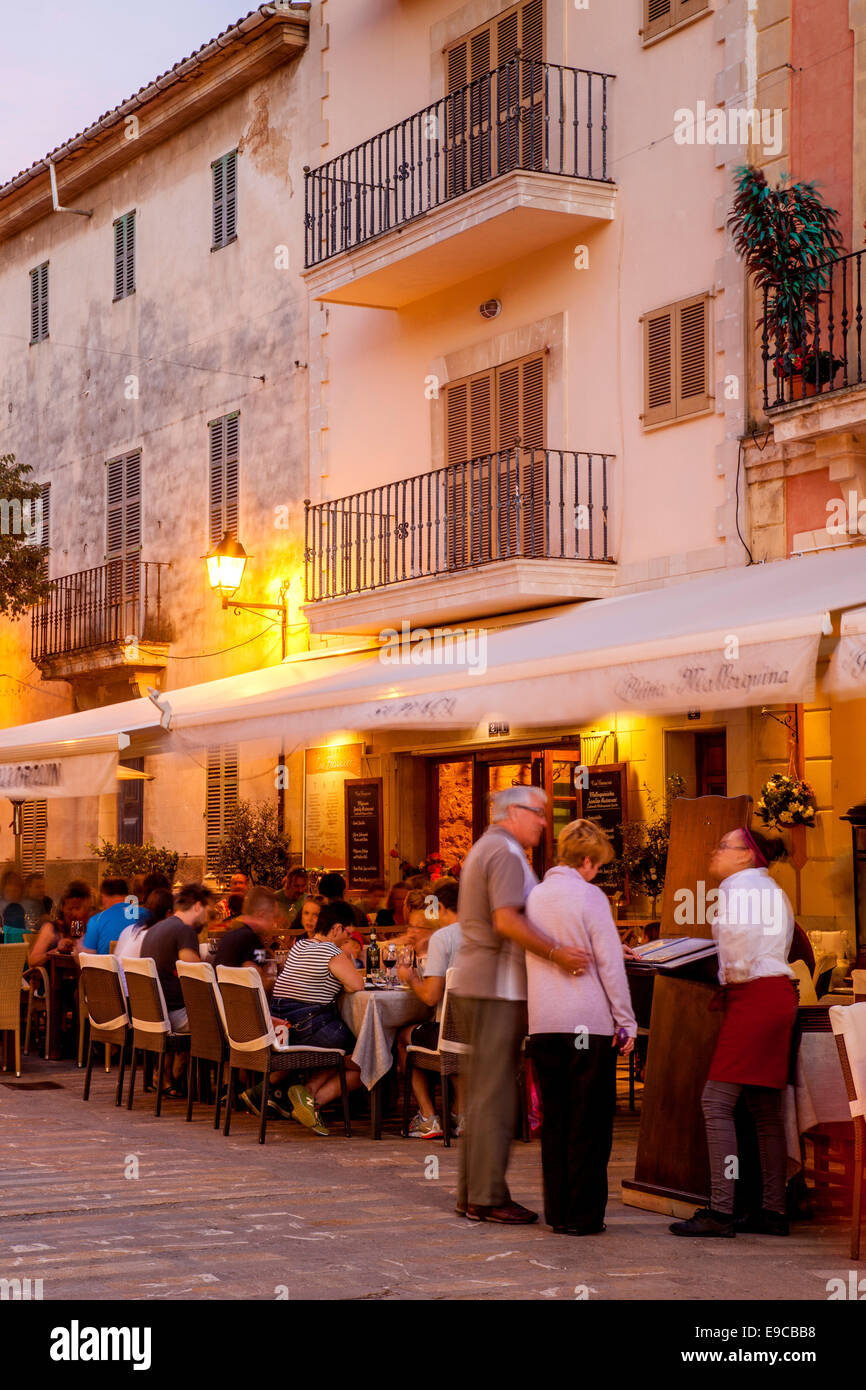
x=247, y=1017
x=13, y=960
x=146, y=1000
x=805, y=988
x=29, y=938
x=204, y=1009
x=823, y=973
x=451, y=1036
x=849, y=1027
x=104, y=998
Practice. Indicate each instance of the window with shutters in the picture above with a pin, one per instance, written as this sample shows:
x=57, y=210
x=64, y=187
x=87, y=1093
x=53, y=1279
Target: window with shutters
x=34, y=829
x=223, y=484
x=124, y=256
x=495, y=115
x=122, y=541
x=495, y=480
x=225, y=199
x=221, y=799
x=659, y=16
x=44, y=539
x=39, y=303
x=677, y=360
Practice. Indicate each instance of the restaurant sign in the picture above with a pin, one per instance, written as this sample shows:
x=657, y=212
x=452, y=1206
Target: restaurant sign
x=51, y=779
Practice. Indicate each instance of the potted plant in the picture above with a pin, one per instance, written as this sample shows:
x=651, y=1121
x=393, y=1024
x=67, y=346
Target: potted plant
x=125, y=861
x=645, y=844
x=785, y=802
x=253, y=845
x=786, y=236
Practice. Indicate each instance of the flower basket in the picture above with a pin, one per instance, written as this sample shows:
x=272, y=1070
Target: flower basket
x=785, y=802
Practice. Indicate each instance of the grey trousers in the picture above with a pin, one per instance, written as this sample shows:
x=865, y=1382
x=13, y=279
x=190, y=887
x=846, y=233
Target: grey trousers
x=765, y=1105
x=495, y=1029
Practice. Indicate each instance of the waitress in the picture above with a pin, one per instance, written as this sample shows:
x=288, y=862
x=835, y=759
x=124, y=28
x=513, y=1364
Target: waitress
x=753, y=926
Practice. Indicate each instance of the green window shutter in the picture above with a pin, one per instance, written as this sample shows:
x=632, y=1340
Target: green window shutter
x=225, y=199
x=39, y=303
x=124, y=256
x=45, y=540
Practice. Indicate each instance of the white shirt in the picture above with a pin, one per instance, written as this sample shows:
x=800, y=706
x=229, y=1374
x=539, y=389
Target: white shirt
x=129, y=943
x=754, y=925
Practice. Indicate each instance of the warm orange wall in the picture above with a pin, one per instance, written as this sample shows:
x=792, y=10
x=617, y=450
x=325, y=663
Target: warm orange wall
x=823, y=93
x=806, y=498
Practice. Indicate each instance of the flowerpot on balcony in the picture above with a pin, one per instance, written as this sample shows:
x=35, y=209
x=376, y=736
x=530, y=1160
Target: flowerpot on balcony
x=799, y=387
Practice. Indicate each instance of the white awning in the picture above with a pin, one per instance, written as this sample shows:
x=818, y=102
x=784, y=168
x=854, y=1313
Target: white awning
x=47, y=771
x=726, y=639
x=846, y=677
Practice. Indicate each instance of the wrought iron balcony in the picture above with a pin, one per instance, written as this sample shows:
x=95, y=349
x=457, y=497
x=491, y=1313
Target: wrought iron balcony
x=524, y=115
x=519, y=504
x=819, y=347
x=118, y=603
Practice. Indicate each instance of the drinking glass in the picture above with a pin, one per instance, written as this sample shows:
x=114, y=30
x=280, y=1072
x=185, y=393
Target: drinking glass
x=77, y=929
x=389, y=957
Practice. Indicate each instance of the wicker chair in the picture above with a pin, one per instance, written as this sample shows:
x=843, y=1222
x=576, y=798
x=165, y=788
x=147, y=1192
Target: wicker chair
x=13, y=959
x=37, y=1004
x=151, y=1030
x=252, y=1042
x=444, y=1058
x=207, y=1028
x=844, y=1021
x=102, y=997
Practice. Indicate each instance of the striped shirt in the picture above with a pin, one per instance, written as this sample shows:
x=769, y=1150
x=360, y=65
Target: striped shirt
x=305, y=975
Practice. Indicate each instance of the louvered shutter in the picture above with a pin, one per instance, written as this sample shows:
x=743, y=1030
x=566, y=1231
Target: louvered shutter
x=124, y=255
x=657, y=17
x=225, y=199
x=659, y=403
x=692, y=387
x=221, y=799
x=45, y=539
x=480, y=147
x=534, y=472
x=508, y=92
x=456, y=116
x=224, y=476
x=39, y=303
x=132, y=522
x=114, y=528
x=231, y=199
x=532, y=84
x=34, y=829
x=219, y=180
x=684, y=9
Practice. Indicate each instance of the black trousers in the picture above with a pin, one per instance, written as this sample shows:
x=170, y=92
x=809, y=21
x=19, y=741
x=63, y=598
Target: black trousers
x=578, y=1097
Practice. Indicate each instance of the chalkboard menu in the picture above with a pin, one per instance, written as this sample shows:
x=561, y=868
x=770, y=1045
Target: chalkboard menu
x=364, y=832
x=605, y=803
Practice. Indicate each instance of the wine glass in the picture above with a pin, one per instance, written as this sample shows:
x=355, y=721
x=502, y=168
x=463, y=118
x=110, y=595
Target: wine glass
x=390, y=959
x=76, y=931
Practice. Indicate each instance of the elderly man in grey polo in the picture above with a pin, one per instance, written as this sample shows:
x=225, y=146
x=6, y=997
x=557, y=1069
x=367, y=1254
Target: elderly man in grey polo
x=490, y=985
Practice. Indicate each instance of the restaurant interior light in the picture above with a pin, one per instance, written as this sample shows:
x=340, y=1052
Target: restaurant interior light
x=225, y=566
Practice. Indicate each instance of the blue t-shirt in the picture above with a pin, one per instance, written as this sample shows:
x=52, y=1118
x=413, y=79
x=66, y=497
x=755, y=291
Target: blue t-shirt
x=106, y=926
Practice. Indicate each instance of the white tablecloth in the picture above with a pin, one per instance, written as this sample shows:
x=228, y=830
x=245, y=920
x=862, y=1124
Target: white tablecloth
x=819, y=1096
x=374, y=1016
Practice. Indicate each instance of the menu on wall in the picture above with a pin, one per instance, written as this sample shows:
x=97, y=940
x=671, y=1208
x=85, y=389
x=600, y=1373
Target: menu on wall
x=604, y=802
x=364, y=837
x=326, y=772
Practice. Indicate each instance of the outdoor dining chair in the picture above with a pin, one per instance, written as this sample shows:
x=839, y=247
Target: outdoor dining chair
x=13, y=959
x=253, y=1042
x=38, y=1004
x=445, y=1059
x=101, y=995
x=849, y=1028
x=207, y=1029
x=151, y=1029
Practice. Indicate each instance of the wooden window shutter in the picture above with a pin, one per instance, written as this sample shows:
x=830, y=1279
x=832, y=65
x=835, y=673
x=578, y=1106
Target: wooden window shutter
x=520, y=427
x=469, y=431
x=657, y=17
x=124, y=255
x=114, y=528
x=224, y=467
x=684, y=9
x=692, y=387
x=123, y=505
x=34, y=830
x=39, y=303
x=221, y=799
x=45, y=539
x=659, y=403
x=225, y=199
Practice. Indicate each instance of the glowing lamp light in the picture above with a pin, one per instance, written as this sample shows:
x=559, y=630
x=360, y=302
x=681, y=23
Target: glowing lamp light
x=225, y=566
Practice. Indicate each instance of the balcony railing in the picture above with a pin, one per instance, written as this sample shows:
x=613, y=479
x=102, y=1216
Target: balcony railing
x=93, y=608
x=536, y=504
x=523, y=115
x=825, y=352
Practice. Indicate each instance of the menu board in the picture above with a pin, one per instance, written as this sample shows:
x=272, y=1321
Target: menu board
x=364, y=838
x=326, y=771
x=605, y=803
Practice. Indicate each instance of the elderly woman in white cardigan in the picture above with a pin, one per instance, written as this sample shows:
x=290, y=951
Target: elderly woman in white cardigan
x=576, y=1024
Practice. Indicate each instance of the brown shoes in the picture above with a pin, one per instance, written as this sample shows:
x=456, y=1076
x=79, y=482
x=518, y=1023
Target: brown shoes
x=512, y=1214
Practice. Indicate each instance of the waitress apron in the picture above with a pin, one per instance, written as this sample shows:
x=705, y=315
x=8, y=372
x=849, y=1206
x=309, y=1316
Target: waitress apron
x=754, y=1045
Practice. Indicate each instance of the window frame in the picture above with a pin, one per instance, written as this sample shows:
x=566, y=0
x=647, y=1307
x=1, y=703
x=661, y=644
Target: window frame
x=652, y=31
x=673, y=411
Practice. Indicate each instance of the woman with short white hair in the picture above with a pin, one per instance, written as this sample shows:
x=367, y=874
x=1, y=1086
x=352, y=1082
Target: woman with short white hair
x=576, y=1023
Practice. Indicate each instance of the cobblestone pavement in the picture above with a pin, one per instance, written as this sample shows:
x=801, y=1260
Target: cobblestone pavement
x=307, y=1217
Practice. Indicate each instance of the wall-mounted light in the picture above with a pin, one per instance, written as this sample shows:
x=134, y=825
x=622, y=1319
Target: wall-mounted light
x=226, y=563
x=490, y=309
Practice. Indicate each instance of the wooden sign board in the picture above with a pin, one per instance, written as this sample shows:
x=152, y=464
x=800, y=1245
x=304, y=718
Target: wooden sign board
x=326, y=771
x=365, y=855
x=697, y=826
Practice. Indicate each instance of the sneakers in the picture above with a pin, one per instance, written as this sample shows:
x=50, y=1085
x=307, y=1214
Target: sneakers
x=279, y=1102
x=763, y=1223
x=422, y=1128
x=458, y=1126
x=252, y=1099
x=706, y=1222
x=305, y=1110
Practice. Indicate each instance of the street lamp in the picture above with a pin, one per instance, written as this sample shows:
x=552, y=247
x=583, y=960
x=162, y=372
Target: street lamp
x=226, y=563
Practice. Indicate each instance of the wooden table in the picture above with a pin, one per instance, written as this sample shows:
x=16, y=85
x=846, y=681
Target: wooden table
x=61, y=964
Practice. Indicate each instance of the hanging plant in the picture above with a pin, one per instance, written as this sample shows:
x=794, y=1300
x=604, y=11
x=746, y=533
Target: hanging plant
x=786, y=801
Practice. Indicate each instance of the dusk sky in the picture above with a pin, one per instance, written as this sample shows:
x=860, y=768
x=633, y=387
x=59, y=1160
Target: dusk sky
x=64, y=65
